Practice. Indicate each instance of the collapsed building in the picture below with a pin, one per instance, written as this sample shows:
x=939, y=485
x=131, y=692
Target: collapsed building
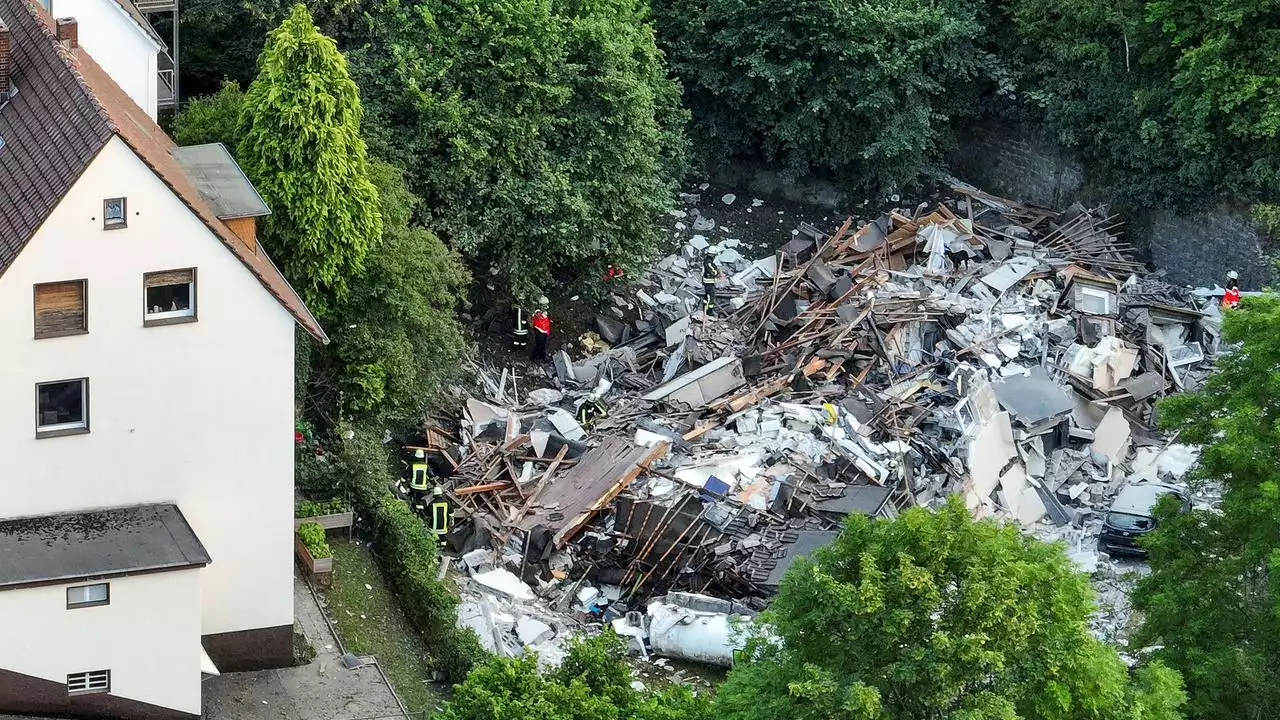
x=1003, y=352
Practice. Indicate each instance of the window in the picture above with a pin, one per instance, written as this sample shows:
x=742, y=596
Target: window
x=170, y=297
x=94, y=681
x=61, y=309
x=1095, y=302
x=62, y=408
x=113, y=213
x=88, y=595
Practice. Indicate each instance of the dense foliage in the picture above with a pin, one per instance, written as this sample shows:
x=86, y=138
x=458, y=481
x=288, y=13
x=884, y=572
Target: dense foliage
x=867, y=92
x=935, y=615
x=1171, y=101
x=300, y=144
x=405, y=550
x=1213, y=597
x=593, y=683
x=221, y=40
x=544, y=137
x=211, y=118
x=396, y=338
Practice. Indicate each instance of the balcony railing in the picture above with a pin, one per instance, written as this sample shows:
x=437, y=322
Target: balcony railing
x=165, y=96
x=150, y=6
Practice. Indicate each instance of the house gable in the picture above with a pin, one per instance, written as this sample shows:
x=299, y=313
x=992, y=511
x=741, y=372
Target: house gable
x=96, y=109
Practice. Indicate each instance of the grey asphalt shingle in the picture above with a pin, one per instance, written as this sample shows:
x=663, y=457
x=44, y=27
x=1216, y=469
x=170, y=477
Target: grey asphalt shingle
x=67, y=547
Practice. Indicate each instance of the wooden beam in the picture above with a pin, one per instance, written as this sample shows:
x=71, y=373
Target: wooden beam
x=572, y=528
x=487, y=487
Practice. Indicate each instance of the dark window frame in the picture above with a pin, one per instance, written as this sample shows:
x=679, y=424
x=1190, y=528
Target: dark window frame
x=148, y=321
x=91, y=603
x=123, y=221
x=84, y=295
x=84, y=411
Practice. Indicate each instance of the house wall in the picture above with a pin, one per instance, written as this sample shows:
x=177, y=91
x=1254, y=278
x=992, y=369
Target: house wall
x=116, y=42
x=197, y=414
x=148, y=637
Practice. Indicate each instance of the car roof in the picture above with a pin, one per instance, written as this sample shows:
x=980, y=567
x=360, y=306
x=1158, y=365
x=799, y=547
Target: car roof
x=1139, y=498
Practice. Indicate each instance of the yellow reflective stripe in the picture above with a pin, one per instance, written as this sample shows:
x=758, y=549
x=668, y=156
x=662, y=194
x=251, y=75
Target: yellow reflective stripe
x=440, y=517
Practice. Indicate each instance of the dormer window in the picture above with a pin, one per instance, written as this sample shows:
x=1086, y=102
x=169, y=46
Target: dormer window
x=113, y=213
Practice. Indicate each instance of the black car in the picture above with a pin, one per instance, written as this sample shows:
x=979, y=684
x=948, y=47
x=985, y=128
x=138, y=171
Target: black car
x=1130, y=517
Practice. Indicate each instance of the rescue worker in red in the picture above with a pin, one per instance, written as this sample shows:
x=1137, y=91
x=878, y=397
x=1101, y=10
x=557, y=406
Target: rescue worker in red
x=1231, y=297
x=613, y=274
x=541, y=323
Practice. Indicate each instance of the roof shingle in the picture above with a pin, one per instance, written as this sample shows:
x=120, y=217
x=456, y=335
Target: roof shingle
x=65, y=111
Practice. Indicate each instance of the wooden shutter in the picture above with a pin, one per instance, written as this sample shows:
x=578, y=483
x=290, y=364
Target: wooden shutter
x=60, y=309
x=170, y=277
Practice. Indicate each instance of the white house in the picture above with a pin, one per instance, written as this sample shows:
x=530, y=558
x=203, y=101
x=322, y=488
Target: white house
x=123, y=42
x=146, y=399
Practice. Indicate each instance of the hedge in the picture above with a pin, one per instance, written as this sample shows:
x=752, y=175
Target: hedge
x=406, y=551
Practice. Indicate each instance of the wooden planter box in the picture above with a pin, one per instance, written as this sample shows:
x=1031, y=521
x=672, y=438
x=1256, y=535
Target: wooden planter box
x=317, y=568
x=336, y=521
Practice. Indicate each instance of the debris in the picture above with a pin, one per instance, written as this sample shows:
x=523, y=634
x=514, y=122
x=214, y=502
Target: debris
x=1006, y=353
x=504, y=582
x=531, y=631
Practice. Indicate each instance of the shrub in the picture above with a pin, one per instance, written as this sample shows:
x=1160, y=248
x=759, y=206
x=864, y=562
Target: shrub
x=310, y=508
x=312, y=536
x=865, y=91
x=314, y=475
x=406, y=551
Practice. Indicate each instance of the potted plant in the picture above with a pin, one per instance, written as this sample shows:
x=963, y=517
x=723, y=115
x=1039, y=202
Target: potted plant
x=313, y=549
x=329, y=514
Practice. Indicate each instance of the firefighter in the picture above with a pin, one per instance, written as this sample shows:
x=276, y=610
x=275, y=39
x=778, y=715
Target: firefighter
x=520, y=336
x=710, y=274
x=419, y=480
x=591, y=409
x=1231, y=297
x=440, y=512
x=541, y=322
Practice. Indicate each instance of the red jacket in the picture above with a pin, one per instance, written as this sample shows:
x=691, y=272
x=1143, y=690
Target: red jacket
x=541, y=322
x=1231, y=297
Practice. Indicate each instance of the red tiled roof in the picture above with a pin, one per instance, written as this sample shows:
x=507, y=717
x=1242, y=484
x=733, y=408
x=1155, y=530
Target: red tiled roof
x=78, y=106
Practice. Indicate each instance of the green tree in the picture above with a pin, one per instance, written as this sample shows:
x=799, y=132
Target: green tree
x=594, y=683
x=1169, y=101
x=396, y=339
x=211, y=118
x=865, y=91
x=300, y=143
x=544, y=137
x=934, y=615
x=220, y=40
x=1212, y=599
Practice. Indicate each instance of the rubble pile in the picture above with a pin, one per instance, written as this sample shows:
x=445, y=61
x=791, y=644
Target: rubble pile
x=1006, y=353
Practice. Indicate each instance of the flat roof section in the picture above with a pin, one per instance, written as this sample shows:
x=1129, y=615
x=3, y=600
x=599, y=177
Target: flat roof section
x=54, y=549
x=221, y=181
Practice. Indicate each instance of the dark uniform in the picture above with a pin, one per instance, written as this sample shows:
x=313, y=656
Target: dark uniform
x=419, y=482
x=520, y=337
x=590, y=411
x=440, y=512
x=710, y=274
